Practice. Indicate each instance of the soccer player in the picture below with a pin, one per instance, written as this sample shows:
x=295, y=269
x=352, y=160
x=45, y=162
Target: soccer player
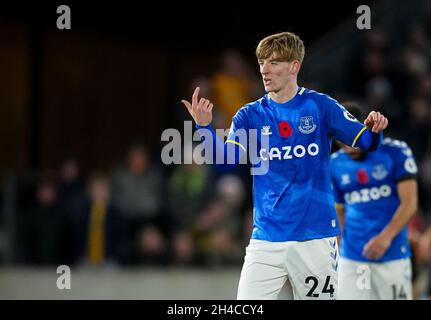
x=294, y=224
x=376, y=195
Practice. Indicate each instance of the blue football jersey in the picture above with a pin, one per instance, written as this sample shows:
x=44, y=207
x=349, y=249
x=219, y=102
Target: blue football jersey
x=293, y=201
x=368, y=190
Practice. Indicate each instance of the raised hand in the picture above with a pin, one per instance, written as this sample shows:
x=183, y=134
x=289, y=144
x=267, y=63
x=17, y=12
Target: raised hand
x=376, y=122
x=200, y=109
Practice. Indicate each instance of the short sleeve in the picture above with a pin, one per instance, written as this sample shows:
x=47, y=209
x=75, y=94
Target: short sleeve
x=404, y=162
x=338, y=193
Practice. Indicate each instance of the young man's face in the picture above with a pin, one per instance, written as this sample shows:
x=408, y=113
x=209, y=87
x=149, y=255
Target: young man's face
x=276, y=74
x=353, y=153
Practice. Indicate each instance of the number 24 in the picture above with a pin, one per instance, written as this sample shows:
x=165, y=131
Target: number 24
x=327, y=288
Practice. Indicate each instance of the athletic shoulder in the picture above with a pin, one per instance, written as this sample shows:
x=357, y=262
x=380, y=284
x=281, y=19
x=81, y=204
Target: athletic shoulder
x=395, y=146
x=402, y=156
x=321, y=99
x=252, y=107
x=323, y=102
x=249, y=111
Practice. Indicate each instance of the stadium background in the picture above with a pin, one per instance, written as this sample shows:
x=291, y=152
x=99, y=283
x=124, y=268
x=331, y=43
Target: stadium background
x=82, y=112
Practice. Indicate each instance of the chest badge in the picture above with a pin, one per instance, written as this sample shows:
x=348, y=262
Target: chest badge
x=306, y=125
x=379, y=172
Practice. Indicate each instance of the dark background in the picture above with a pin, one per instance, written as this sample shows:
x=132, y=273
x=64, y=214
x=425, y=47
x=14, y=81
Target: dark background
x=119, y=73
x=118, y=76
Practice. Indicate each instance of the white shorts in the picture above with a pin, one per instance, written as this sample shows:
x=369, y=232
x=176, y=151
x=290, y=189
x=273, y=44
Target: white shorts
x=310, y=267
x=375, y=281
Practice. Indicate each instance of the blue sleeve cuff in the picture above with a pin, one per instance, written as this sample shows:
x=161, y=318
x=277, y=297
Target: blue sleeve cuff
x=370, y=141
x=203, y=127
x=376, y=139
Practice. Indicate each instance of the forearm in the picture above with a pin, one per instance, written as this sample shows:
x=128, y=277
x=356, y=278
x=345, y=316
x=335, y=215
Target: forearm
x=340, y=215
x=401, y=217
x=224, y=155
x=339, y=208
x=369, y=141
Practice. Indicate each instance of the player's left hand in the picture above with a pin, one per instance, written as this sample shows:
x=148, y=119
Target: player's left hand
x=376, y=247
x=376, y=122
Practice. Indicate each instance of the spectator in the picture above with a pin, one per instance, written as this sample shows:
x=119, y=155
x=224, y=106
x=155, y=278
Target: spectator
x=217, y=229
x=189, y=189
x=419, y=125
x=137, y=192
x=101, y=230
x=71, y=198
x=42, y=228
x=378, y=92
x=152, y=246
x=425, y=178
x=233, y=85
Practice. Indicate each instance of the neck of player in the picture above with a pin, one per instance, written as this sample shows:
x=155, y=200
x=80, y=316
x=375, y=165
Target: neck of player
x=284, y=95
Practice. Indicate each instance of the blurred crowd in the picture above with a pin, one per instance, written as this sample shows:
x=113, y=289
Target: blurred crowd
x=140, y=212
x=136, y=214
x=146, y=213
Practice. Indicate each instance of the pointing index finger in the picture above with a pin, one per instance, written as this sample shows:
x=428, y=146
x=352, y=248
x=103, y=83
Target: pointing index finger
x=195, y=96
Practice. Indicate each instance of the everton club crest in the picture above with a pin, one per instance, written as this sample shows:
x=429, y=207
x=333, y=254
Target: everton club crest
x=306, y=125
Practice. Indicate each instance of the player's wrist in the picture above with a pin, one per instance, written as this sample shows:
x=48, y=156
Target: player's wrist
x=203, y=124
x=387, y=234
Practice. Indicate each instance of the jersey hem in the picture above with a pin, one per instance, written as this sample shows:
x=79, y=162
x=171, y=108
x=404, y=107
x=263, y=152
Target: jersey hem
x=301, y=238
x=374, y=261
